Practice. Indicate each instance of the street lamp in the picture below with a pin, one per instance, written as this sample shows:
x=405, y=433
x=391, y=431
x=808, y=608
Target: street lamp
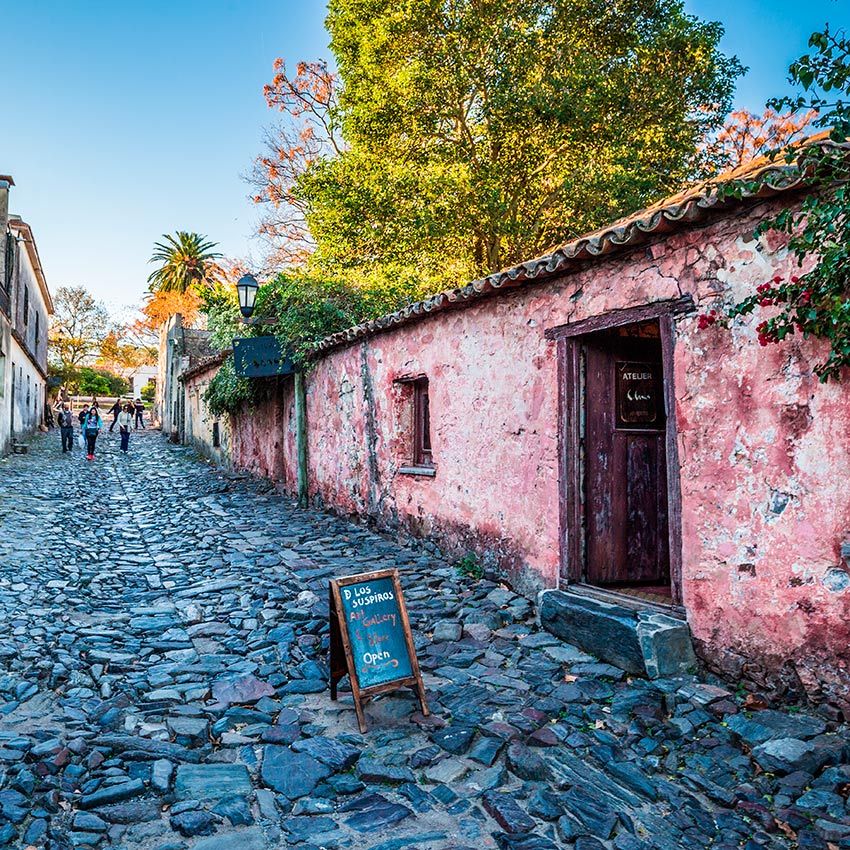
x=246, y=288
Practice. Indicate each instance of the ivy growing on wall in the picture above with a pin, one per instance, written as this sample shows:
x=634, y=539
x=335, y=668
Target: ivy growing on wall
x=305, y=310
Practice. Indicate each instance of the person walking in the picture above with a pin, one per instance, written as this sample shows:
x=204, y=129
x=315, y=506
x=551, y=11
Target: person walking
x=91, y=428
x=140, y=409
x=115, y=410
x=125, y=421
x=66, y=427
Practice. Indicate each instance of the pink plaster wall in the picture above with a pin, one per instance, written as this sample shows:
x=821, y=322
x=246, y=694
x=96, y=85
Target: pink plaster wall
x=764, y=448
x=264, y=438
x=493, y=433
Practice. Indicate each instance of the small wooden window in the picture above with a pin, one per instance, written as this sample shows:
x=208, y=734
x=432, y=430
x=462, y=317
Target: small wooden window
x=421, y=424
x=26, y=305
x=216, y=435
x=11, y=244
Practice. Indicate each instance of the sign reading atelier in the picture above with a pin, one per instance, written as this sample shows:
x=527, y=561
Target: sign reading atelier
x=371, y=639
x=260, y=357
x=640, y=397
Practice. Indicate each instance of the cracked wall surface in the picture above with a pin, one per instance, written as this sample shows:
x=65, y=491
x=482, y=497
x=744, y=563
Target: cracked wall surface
x=763, y=447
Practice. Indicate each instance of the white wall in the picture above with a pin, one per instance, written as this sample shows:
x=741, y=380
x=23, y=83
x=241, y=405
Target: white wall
x=23, y=340
x=5, y=328
x=29, y=310
x=26, y=393
x=5, y=382
x=140, y=379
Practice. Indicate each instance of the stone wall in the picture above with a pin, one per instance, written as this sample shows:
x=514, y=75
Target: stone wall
x=763, y=447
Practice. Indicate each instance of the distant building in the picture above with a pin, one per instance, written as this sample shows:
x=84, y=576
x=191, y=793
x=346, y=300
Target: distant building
x=140, y=378
x=180, y=348
x=25, y=308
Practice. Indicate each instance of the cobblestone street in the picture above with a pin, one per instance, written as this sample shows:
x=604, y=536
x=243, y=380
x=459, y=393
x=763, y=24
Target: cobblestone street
x=163, y=635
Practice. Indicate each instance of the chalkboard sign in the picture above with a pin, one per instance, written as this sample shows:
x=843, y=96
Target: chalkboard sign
x=371, y=639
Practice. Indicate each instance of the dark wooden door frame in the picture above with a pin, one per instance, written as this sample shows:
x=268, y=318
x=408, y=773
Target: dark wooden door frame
x=570, y=501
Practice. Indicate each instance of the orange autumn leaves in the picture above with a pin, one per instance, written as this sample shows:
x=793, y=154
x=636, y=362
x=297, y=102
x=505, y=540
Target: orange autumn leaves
x=747, y=135
x=160, y=305
x=310, y=133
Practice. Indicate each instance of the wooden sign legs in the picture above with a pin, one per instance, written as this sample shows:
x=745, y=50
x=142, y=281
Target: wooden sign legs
x=341, y=659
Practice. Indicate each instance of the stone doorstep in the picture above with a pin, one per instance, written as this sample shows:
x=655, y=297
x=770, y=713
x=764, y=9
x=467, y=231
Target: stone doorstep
x=643, y=643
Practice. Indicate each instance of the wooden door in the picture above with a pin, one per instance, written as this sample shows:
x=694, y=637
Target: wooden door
x=625, y=469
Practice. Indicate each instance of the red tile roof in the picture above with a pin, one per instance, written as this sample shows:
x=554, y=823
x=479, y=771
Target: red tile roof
x=694, y=204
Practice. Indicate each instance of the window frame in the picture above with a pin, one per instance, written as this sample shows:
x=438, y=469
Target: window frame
x=423, y=454
x=417, y=456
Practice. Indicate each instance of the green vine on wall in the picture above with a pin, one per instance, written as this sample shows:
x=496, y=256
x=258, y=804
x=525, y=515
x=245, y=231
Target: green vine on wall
x=306, y=309
x=815, y=303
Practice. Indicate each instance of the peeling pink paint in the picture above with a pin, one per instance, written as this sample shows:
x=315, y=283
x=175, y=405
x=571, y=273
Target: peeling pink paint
x=763, y=447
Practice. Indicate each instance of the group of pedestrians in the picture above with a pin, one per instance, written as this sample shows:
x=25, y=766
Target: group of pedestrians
x=126, y=415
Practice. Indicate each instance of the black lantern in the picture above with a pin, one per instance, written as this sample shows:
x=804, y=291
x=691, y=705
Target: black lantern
x=246, y=288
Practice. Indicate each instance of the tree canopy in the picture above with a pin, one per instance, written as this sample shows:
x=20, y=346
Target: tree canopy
x=461, y=136
x=78, y=326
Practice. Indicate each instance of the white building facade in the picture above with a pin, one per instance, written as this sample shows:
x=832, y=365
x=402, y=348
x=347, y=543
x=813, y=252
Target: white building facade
x=140, y=378
x=25, y=309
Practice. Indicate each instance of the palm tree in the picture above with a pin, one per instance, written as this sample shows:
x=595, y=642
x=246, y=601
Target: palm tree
x=186, y=259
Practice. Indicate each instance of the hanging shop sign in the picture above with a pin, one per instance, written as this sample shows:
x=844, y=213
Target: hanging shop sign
x=640, y=396
x=261, y=357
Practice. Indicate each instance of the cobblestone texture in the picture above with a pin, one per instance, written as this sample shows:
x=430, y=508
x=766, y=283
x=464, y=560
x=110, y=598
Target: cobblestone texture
x=163, y=637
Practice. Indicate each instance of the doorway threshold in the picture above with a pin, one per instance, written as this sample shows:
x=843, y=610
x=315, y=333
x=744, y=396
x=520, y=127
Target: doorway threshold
x=626, y=600
x=617, y=629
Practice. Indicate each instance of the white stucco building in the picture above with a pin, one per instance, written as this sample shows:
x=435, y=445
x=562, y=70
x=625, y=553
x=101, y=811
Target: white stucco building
x=140, y=378
x=25, y=308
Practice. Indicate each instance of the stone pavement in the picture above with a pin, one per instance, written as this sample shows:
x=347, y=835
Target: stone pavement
x=163, y=639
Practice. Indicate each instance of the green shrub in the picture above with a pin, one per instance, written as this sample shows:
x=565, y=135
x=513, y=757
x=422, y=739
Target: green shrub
x=470, y=567
x=227, y=392
x=306, y=310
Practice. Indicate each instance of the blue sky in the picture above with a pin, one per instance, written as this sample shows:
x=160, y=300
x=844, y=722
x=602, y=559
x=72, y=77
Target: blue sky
x=125, y=121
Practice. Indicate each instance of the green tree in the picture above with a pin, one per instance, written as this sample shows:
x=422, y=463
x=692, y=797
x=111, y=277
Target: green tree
x=466, y=135
x=78, y=327
x=100, y=382
x=186, y=261
x=305, y=309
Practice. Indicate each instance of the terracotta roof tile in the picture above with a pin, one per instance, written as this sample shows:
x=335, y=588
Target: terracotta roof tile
x=685, y=207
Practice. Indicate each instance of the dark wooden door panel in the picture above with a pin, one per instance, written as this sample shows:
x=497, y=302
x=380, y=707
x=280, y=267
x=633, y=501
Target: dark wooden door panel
x=646, y=508
x=599, y=468
x=625, y=471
